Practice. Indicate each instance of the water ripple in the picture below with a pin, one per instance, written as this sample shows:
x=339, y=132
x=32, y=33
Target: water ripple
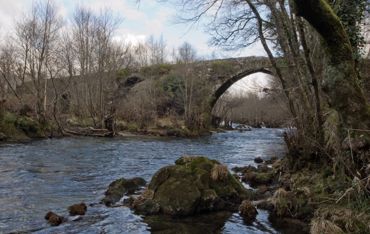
x=53, y=174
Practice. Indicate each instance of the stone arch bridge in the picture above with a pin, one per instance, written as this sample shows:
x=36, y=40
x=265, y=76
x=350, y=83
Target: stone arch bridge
x=220, y=74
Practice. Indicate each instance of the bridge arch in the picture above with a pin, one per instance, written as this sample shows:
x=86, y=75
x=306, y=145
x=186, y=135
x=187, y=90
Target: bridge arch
x=228, y=83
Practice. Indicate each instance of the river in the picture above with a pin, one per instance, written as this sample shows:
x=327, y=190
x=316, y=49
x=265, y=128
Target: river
x=53, y=174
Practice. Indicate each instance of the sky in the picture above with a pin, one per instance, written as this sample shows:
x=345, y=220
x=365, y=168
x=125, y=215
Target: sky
x=141, y=21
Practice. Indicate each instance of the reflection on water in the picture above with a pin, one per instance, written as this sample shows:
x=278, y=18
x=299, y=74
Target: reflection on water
x=53, y=174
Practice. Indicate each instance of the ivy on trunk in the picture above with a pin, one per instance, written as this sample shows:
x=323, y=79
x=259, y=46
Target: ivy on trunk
x=341, y=79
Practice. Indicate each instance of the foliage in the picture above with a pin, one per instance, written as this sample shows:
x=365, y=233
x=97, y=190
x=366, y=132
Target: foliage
x=21, y=127
x=173, y=87
x=28, y=125
x=351, y=14
x=7, y=125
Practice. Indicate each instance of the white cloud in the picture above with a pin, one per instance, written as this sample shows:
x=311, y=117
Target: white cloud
x=130, y=39
x=139, y=22
x=128, y=11
x=9, y=12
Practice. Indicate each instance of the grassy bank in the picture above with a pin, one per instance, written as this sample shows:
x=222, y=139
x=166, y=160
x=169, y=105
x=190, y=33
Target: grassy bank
x=15, y=128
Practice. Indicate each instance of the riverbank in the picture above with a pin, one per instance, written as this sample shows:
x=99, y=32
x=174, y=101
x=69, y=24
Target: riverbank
x=16, y=128
x=20, y=128
x=162, y=127
x=314, y=198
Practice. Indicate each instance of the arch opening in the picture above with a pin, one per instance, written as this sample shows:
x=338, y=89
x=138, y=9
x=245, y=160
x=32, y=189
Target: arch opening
x=226, y=85
x=255, y=100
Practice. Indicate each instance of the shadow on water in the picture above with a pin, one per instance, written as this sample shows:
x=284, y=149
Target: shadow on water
x=201, y=224
x=220, y=222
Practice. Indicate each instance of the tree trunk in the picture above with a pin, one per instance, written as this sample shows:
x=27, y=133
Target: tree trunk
x=272, y=59
x=340, y=78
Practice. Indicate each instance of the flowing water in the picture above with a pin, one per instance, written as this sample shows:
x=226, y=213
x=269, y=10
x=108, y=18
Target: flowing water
x=53, y=174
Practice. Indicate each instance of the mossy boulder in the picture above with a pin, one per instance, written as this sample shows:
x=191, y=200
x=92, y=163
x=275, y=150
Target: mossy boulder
x=255, y=177
x=193, y=185
x=117, y=189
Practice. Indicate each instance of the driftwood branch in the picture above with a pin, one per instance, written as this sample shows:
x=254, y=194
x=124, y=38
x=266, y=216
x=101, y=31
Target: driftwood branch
x=89, y=132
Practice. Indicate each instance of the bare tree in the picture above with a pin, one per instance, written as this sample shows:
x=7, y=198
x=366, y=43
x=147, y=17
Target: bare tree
x=96, y=58
x=157, y=48
x=8, y=71
x=36, y=39
x=185, y=56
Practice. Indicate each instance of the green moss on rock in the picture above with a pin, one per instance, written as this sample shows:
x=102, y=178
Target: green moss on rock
x=187, y=188
x=256, y=178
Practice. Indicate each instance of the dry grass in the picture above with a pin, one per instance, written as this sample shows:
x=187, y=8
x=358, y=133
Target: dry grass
x=322, y=226
x=331, y=131
x=219, y=172
x=347, y=220
x=282, y=202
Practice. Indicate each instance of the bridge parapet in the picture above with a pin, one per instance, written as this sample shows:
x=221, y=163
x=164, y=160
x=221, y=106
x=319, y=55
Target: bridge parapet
x=223, y=69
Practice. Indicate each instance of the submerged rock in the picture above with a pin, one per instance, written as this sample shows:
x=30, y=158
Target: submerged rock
x=258, y=160
x=121, y=187
x=248, y=211
x=54, y=219
x=194, y=185
x=77, y=209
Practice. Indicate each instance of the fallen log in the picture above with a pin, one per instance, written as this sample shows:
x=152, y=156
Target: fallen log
x=90, y=131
